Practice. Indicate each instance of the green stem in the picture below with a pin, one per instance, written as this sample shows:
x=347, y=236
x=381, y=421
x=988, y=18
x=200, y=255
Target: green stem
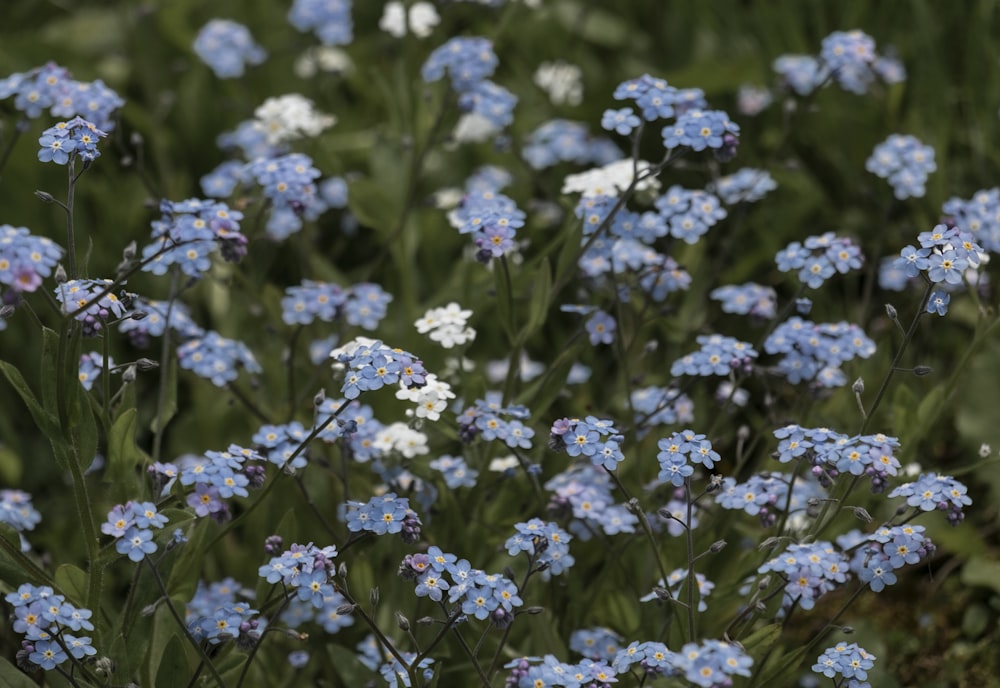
x=183, y=626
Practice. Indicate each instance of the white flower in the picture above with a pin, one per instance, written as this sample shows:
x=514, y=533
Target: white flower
x=504, y=464
x=985, y=450
x=430, y=400
x=474, y=128
x=322, y=58
x=610, y=180
x=290, y=117
x=447, y=325
x=423, y=19
x=399, y=437
x=562, y=82
x=349, y=348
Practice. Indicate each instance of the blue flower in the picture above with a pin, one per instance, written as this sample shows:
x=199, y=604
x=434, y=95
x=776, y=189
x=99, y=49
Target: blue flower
x=905, y=162
x=330, y=20
x=601, y=328
x=216, y=358
x=701, y=129
x=136, y=544
x=227, y=47
x=746, y=185
x=938, y=302
x=466, y=60
x=621, y=121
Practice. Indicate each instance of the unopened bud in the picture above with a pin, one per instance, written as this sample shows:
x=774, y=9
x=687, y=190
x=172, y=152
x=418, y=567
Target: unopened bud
x=633, y=506
x=533, y=610
x=890, y=310
x=862, y=514
x=859, y=386
x=319, y=398
x=144, y=364
x=847, y=629
x=342, y=570
x=921, y=370
x=374, y=596
x=45, y=197
x=402, y=622
x=139, y=315
x=6, y=311
x=425, y=620
x=345, y=609
x=763, y=583
x=128, y=377
x=128, y=253
x=60, y=274
x=717, y=546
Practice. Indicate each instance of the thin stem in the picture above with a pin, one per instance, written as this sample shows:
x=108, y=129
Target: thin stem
x=161, y=397
x=183, y=626
x=260, y=641
x=70, y=231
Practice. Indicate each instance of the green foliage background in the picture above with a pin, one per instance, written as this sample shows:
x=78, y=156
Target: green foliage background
x=166, y=141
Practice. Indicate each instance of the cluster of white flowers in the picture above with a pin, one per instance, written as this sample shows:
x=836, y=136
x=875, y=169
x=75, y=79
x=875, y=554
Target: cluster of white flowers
x=399, y=437
x=431, y=399
x=610, y=180
x=290, y=117
x=561, y=81
x=447, y=326
x=422, y=19
x=474, y=128
x=322, y=58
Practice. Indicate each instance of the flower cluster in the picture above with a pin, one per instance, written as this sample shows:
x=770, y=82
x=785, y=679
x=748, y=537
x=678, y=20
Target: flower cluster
x=846, y=57
x=290, y=117
x=703, y=129
x=561, y=81
x=288, y=182
x=979, y=215
x=689, y=213
x=831, y=453
x=455, y=471
x=679, y=451
x=594, y=438
x=189, y=232
x=584, y=494
x=363, y=304
x=26, y=259
x=385, y=514
x=53, y=88
x=887, y=550
x=132, y=524
x=91, y=367
x=944, y=256
x=847, y=660
x=932, y=492
x=227, y=48
x=809, y=571
x=814, y=352
x=747, y=299
x=490, y=216
x=70, y=140
x=905, y=162
x=718, y=355
x=216, y=358
x=746, y=185
x=420, y=19
x=330, y=20
x=447, y=326
x=489, y=419
x=305, y=570
x=17, y=512
x=222, y=611
x=216, y=476
x=550, y=671
x=159, y=317
x=820, y=258
x=370, y=365
x=560, y=140
x=92, y=302
x=767, y=495
x=546, y=544
x=429, y=400
x=656, y=99
x=45, y=619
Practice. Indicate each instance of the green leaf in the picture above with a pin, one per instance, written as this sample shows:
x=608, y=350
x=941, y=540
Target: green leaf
x=82, y=430
x=173, y=670
x=12, y=677
x=47, y=422
x=503, y=297
x=783, y=668
x=538, y=307
x=15, y=566
x=73, y=583
x=169, y=409
x=760, y=641
x=124, y=456
x=982, y=572
x=49, y=369
x=374, y=204
x=543, y=391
